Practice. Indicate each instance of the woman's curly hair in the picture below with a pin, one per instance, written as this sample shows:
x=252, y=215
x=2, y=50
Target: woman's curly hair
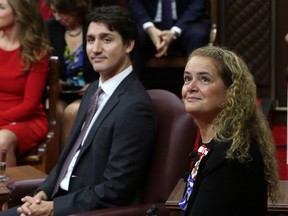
x=241, y=119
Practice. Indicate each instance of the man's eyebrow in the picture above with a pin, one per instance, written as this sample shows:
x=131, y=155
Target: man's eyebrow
x=104, y=34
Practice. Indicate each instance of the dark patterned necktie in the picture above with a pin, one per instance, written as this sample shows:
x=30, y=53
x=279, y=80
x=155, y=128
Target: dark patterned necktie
x=167, y=19
x=89, y=116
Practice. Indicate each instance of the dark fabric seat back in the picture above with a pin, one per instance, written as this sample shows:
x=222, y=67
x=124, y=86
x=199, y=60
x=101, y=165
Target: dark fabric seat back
x=175, y=140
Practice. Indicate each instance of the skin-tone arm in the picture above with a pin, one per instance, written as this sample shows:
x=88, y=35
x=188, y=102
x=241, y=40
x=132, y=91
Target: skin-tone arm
x=36, y=205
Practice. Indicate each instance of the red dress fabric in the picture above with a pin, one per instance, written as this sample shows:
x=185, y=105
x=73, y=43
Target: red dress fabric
x=21, y=110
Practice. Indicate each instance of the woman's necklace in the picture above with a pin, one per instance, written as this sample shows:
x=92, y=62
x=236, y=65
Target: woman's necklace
x=71, y=34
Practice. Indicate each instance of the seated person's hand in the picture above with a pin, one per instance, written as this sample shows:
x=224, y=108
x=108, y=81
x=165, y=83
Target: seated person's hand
x=162, y=51
x=30, y=204
x=167, y=39
x=167, y=36
x=155, y=36
x=45, y=208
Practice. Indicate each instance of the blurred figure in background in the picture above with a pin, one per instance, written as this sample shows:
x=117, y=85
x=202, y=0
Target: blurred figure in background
x=184, y=25
x=67, y=33
x=24, y=51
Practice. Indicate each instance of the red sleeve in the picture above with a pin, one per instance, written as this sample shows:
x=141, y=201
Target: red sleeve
x=34, y=87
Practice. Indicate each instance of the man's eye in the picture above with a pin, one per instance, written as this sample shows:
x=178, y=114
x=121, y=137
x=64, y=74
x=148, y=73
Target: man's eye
x=90, y=39
x=107, y=40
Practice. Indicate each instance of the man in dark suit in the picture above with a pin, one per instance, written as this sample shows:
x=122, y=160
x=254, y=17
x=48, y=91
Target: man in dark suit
x=110, y=164
x=189, y=27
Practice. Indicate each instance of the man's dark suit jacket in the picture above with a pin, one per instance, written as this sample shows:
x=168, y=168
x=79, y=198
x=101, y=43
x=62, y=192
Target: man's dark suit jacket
x=112, y=163
x=188, y=11
x=56, y=33
x=229, y=188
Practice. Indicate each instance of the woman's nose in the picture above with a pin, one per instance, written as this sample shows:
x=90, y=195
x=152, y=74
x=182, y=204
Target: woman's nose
x=192, y=85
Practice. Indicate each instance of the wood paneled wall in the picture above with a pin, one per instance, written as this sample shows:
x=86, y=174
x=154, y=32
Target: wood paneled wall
x=256, y=29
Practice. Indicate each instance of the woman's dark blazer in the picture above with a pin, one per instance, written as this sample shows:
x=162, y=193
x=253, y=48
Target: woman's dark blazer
x=228, y=188
x=56, y=34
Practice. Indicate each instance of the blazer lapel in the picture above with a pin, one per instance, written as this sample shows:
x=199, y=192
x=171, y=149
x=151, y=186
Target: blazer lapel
x=107, y=109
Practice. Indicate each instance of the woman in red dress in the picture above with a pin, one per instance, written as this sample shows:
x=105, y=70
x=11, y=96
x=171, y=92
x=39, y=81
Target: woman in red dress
x=24, y=51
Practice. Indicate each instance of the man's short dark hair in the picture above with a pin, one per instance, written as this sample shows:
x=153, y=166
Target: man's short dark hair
x=117, y=19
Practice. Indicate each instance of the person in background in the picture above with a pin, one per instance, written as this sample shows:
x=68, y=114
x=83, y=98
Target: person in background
x=67, y=32
x=235, y=171
x=113, y=157
x=188, y=29
x=24, y=51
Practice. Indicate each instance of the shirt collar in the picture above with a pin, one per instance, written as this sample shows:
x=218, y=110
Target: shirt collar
x=110, y=85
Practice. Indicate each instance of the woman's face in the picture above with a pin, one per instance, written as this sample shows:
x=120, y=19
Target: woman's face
x=69, y=20
x=7, y=17
x=203, y=91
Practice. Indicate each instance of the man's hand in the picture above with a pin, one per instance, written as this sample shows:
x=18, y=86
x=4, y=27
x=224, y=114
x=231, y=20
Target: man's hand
x=45, y=208
x=155, y=36
x=167, y=36
x=161, y=40
x=167, y=39
x=36, y=205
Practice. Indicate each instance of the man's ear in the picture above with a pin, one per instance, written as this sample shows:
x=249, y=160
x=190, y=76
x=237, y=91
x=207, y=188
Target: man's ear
x=130, y=45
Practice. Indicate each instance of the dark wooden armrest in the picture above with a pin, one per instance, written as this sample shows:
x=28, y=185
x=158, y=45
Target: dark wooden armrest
x=176, y=195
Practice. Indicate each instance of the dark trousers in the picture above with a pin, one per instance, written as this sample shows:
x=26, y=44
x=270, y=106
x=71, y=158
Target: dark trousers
x=10, y=212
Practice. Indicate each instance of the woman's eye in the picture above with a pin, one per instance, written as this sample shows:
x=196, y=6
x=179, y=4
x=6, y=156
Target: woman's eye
x=187, y=79
x=204, y=79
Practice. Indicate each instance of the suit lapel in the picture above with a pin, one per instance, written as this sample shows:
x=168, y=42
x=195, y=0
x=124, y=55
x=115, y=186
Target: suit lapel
x=107, y=109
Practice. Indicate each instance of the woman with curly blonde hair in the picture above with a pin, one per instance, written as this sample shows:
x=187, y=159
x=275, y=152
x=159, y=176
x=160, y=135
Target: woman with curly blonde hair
x=235, y=171
x=24, y=51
